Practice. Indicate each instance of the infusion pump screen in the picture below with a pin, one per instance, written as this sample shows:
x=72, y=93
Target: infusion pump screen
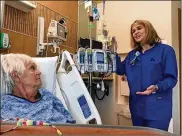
x=61, y=30
x=100, y=58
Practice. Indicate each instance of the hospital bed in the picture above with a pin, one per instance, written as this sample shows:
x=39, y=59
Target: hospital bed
x=66, y=86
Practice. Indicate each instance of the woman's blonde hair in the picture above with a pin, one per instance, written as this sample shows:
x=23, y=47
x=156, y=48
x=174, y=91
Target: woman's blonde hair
x=13, y=63
x=151, y=34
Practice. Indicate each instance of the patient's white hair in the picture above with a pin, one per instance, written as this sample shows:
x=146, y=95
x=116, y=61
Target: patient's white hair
x=13, y=63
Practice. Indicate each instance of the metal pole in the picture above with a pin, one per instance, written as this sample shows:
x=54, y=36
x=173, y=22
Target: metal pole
x=90, y=36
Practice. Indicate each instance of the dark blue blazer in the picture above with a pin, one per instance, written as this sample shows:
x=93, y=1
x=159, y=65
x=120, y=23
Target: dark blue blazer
x=157, y=66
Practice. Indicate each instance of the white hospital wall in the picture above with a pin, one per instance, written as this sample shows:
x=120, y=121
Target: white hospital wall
x=121, y=14
x=83, y=29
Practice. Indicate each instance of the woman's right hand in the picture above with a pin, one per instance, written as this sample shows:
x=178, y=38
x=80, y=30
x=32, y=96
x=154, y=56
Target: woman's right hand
x=114, y=44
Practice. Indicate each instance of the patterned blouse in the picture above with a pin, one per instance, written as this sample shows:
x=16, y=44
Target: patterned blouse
x=48, y=108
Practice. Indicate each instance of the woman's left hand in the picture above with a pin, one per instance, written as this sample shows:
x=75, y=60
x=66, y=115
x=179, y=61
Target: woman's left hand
x=151, y=89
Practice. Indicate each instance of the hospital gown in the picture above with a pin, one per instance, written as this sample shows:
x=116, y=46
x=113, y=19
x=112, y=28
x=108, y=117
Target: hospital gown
x=47, y=109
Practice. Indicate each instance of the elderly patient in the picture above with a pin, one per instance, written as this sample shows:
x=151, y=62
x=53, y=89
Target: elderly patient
x=27, y=99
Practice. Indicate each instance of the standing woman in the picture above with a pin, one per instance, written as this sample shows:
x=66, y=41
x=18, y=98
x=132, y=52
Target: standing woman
x=151, y=70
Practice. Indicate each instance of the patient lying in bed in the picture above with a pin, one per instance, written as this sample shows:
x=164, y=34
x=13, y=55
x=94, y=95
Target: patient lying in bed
x=27, y=99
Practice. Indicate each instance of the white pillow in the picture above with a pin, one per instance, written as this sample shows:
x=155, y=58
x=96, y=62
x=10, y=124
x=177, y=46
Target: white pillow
x=47, y=66
x=3, y=89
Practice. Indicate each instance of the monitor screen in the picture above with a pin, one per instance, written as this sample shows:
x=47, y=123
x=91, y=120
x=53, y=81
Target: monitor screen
x=100, y=57
x=85, y=42
x=96, y=44
x=61, y=30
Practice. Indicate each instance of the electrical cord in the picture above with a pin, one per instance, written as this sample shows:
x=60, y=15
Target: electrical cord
x=98, y=96
x=95, y=89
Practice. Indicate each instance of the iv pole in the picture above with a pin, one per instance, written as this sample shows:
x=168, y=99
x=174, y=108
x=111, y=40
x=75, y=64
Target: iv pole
x=90, y=36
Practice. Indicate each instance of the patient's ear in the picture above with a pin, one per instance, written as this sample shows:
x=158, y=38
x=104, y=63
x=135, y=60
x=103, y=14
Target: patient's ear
x=15, y=76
